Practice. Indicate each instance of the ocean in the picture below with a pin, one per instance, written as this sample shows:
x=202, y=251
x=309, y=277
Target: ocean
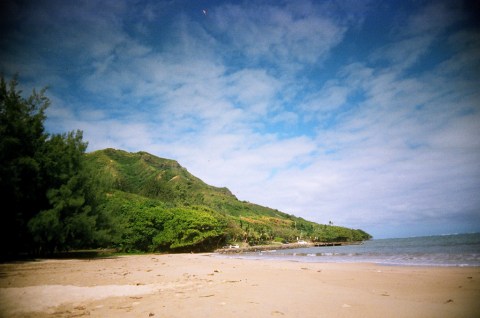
x=443, y=250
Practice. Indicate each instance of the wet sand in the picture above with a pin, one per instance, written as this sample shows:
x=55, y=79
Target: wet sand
x=205, y=285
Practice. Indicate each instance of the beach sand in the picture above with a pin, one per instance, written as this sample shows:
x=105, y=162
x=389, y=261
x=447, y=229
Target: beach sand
x=205, y=285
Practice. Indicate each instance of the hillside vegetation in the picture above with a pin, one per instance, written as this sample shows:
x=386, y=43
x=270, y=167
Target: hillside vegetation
x=159, y=205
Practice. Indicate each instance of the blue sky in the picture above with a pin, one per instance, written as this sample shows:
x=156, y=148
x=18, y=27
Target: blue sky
x=363, y=113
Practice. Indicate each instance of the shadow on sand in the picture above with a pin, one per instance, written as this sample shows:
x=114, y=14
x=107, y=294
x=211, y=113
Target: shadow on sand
x=76, y=254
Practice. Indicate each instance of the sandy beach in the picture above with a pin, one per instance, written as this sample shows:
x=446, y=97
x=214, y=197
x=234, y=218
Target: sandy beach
x=205, y=285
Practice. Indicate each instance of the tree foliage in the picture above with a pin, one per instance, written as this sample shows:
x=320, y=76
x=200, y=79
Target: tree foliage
x=42, y=179
x=149, y=225
x=189, y=229
x=22, y=137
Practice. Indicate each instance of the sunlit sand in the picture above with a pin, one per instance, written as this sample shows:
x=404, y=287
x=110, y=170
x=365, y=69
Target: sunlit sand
x=204, y=285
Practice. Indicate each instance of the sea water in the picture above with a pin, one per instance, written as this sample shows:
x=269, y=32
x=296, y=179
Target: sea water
x=442, y=250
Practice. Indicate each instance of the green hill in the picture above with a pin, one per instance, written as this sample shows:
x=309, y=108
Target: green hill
x=157, y=205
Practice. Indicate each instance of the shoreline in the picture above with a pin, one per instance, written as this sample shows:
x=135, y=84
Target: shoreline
x=205, y=285
x=239, y=256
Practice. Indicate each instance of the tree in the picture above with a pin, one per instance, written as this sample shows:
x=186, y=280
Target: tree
x=189, y=229
x=21, y=138
x=43, y=181
x=70, y=221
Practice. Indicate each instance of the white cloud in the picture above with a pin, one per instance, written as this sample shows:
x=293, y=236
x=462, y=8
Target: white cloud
x=287, y=117
x=432, y=19
x=415, y=36
x=285, y=37
x=253, y=90
x=330, y=98
x=243, y=161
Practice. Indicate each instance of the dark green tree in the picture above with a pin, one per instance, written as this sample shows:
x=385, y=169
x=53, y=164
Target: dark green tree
x=45, y=189
x=69, y=222
x=189, y=229
x=22, y=137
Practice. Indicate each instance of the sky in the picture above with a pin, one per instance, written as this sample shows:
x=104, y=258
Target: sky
x=362, y=113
